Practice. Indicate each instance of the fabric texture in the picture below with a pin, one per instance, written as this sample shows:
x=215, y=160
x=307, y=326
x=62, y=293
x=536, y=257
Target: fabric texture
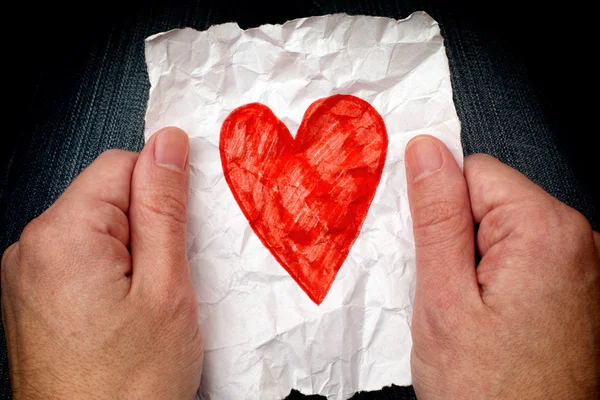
x=81, y=88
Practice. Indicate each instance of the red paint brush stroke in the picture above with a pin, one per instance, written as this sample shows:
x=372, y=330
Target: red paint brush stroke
x=306, y=198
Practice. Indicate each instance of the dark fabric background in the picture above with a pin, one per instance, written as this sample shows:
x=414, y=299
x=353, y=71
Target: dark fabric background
x=76, y=85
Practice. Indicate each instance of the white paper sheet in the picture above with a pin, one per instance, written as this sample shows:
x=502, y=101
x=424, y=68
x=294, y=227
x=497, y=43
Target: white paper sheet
x=263, y=336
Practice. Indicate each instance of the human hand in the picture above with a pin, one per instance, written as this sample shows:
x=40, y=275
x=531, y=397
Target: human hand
x=97, y=300
x=524, y=324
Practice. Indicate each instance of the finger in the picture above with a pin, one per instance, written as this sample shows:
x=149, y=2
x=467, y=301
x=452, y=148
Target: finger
x=493, y=183
x=99, y=196
x=9, y=257
x=442, y=223
x=501, y=197
x=158, y=210
x=597, y=241
x=107, y=179
x=8, y=265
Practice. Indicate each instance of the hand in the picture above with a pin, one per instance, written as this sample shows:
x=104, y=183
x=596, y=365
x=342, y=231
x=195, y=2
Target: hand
x=97, y=300
x=524, y=323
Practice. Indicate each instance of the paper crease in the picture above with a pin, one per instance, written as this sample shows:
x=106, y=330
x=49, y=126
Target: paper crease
x=263, y=335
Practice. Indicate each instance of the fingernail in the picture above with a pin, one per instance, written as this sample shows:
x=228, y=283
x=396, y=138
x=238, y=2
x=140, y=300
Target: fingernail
x=423, y=157
x=171, y=148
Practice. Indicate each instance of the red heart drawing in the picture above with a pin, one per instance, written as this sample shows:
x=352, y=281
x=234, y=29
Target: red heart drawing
x=306, y=198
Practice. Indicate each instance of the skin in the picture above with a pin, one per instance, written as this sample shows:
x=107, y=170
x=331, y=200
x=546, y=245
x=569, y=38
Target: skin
x=524, y=324
x=97, y=300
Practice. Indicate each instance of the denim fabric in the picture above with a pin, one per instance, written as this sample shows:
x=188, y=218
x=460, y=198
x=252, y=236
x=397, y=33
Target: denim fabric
x=81, y=87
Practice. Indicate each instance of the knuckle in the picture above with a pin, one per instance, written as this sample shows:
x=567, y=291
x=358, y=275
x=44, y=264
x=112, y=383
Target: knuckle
x=551, y=221
x=577, y=222
x=46, y=247
x=534, y=220
x=542, y=228
x=41, y=239
x=117, y=158
x=33, y=231
x=106, y=218
x=440, y=220
x=576, y=226
x=438, y=212
x=475, y=164
x=9, y=258
x=491, y=229
x=168, y=205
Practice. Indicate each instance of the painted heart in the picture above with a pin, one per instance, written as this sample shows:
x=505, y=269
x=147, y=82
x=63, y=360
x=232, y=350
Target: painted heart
x=306, y=198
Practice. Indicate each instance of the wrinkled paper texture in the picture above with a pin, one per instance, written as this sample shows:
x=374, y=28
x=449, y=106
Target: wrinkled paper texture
x=263, y=336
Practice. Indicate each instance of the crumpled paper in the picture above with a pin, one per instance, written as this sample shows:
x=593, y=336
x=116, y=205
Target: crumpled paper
x=262, y=335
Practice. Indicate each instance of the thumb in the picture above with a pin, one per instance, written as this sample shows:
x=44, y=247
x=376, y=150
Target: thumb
x=158, y=210
x=442, y=225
